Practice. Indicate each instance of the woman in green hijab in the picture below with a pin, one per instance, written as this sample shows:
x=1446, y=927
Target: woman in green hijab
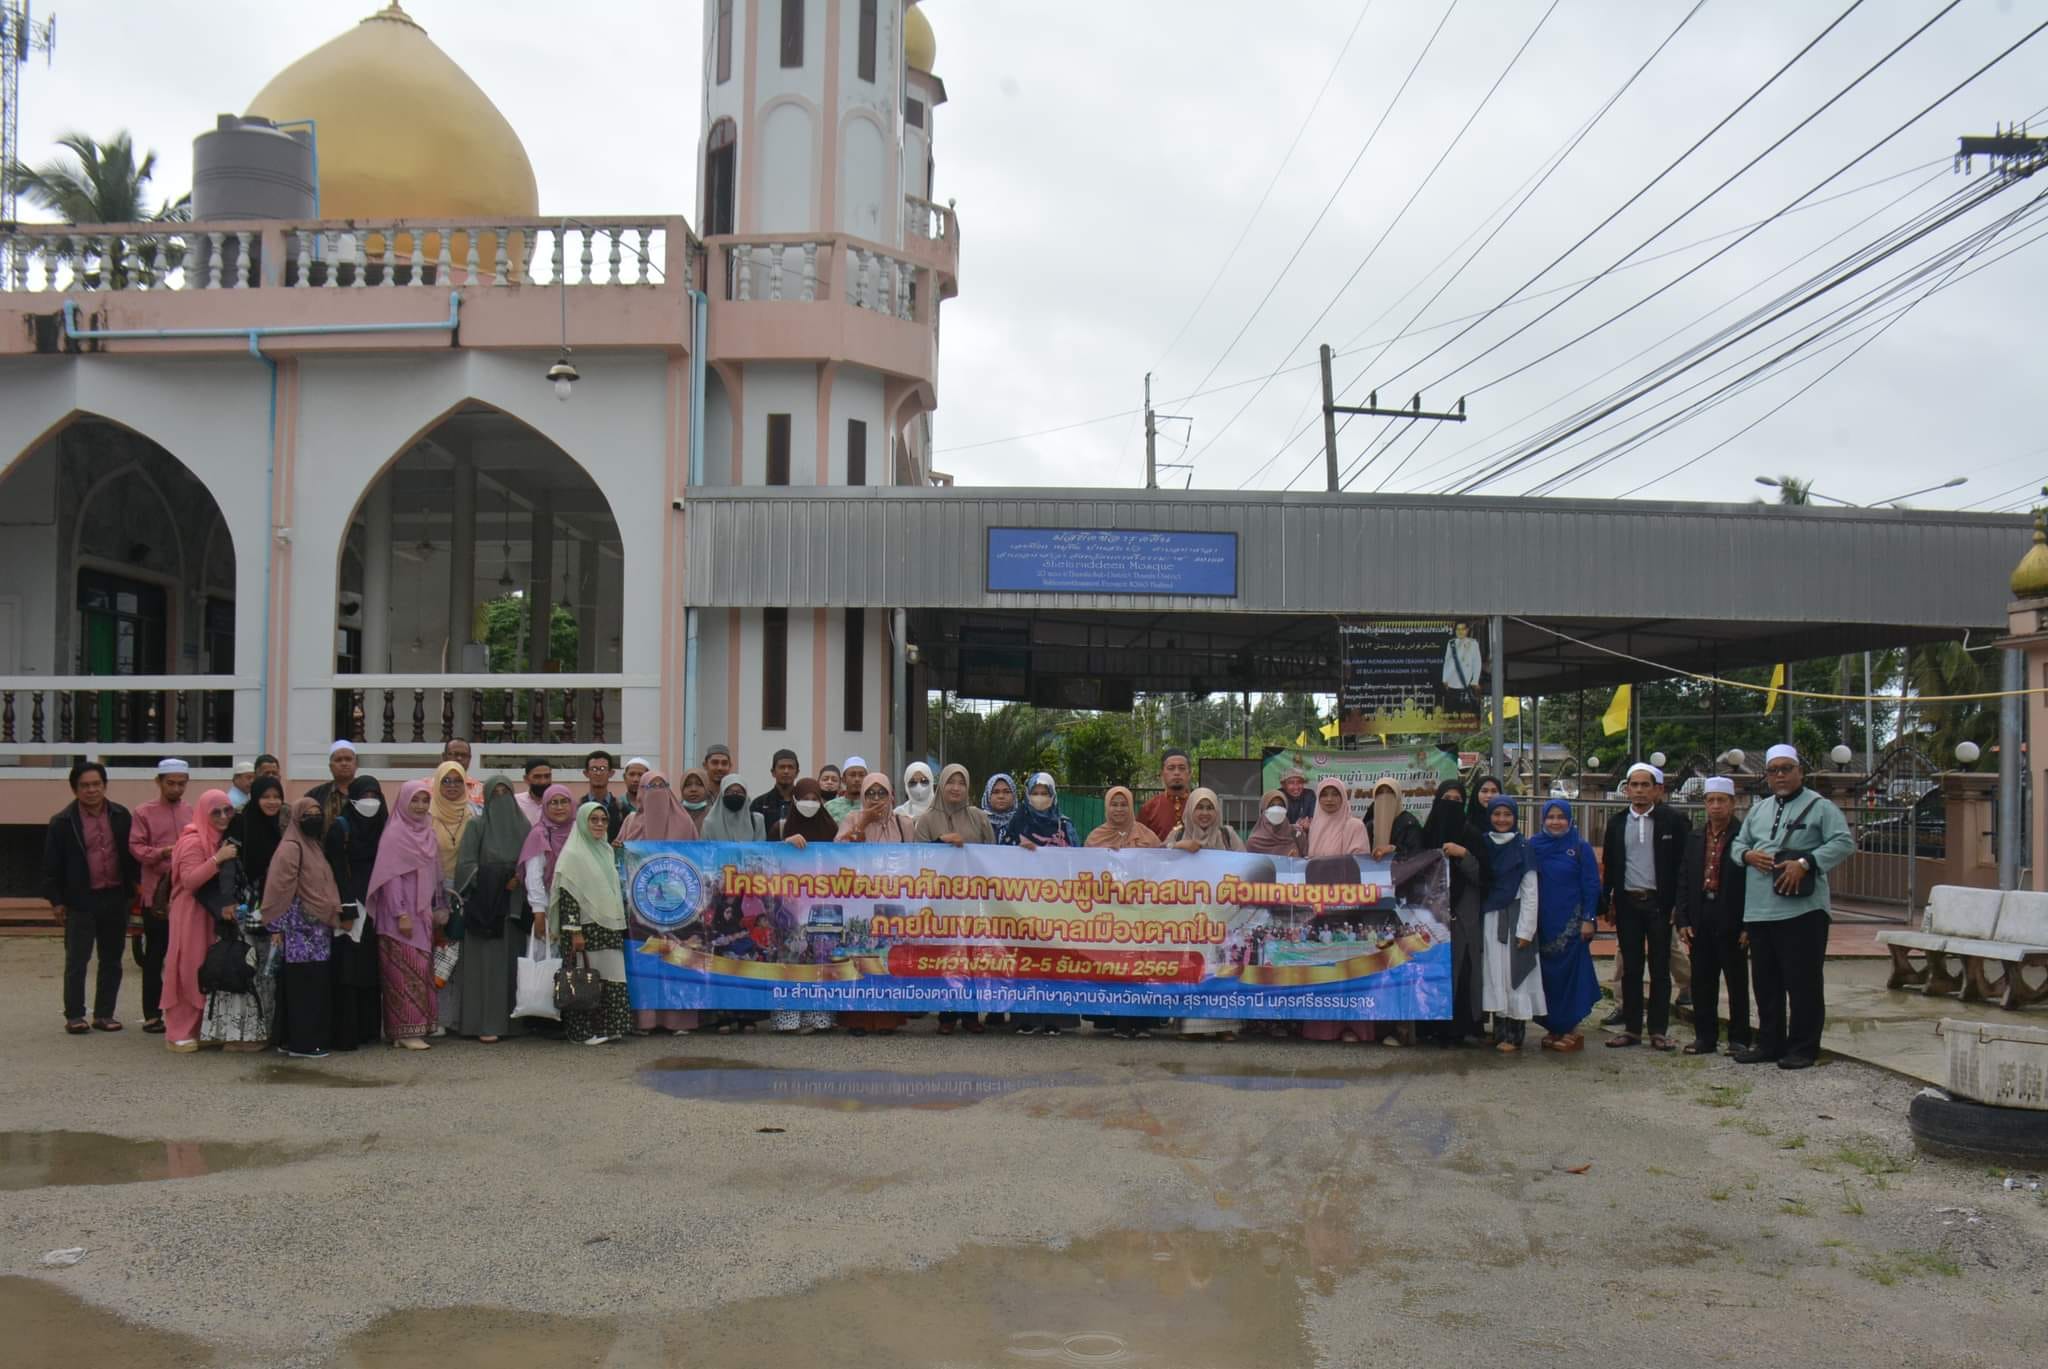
x=493, y=912
x=587, y=917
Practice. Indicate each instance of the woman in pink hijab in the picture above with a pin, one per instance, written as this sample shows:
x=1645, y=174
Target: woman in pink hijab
x=407, y=903
x=196, y=861
x=544, y=847
x=1333, y=831
x=660, y=817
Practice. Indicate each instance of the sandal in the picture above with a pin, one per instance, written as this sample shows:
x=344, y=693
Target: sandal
x=77, y=1028
x=1507, y=1048
x=1662, y=1043
x=154, y=1026
x=1620, y=1039
x=106, y=1024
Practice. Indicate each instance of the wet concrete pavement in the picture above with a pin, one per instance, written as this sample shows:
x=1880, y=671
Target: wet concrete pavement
x=987, y=1201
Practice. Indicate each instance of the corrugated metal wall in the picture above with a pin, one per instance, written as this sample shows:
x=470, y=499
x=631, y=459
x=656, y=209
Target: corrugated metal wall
x=900, y=548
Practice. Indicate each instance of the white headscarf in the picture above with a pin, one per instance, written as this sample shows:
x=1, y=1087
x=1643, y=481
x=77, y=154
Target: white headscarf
x=911, y=808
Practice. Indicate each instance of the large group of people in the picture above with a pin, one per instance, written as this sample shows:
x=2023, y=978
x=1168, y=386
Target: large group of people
x=341, y=918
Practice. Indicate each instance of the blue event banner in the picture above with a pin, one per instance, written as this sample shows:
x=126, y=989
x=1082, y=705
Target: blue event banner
x=1111, y=561
x=766, y=927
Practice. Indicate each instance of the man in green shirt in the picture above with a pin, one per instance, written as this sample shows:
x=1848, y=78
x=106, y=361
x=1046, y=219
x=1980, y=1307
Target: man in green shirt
x=1789, y=842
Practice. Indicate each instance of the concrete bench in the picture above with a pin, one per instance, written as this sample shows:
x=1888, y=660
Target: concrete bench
x=1954, y=913
x=1995, y=968
x=1994, y=937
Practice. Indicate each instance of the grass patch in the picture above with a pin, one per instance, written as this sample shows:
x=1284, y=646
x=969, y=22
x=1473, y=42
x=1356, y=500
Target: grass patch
x=1723, y=1095
x=1749, y=1185
x=1760, y=1130
x=1653, y=1169
x=1870, y=1157
x=1851, y=1204
x=1719, y=1195
x=1793, y=1207
x=1797, y=1142
x=1769, y=1233
x=1833, y=1243
x=1887, y=1270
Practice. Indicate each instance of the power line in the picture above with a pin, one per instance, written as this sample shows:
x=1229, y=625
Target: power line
x=1278, y=171
x=1359, y=156
x=1321, y=314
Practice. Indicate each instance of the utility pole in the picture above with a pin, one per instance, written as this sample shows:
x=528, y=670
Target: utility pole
x=20, y=35
x=1371, y=409
x=1152, y=422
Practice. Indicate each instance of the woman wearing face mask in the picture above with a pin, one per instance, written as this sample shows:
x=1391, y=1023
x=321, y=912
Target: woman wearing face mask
x=661, y=817
x=587, y=917
x=918, y=791
x=302, y=904
x=806, y=823
x=248, y=1021
x=874, y=822
x=1040, y=823
x=1274, y=833
x=355, y=828
x=999, y=801
x=694, y=792
x=1202, y=829
x=729, y=819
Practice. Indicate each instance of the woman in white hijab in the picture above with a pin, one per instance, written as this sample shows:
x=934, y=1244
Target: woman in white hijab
x=917, y=790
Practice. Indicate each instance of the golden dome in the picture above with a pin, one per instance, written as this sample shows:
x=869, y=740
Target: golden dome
x=920, y=47
x=403, y=132
x=2030, y=576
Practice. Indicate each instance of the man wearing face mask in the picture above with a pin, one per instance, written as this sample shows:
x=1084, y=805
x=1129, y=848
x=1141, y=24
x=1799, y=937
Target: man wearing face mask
x=1162, y=812
x=773, y=806
x=540, y=777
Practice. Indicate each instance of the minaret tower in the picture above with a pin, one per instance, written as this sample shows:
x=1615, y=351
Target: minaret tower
x=828, y=263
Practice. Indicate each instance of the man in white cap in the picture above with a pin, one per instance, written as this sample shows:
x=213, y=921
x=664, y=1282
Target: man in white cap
x=635, y=771
x=152, y=834
x=238, y=786
x=1789, y=841
x=341, y=770
x=1711, y=884
x=1642, y=850
x=852, y=776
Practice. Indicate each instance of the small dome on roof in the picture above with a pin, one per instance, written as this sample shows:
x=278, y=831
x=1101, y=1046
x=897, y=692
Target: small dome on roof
x=920, y=46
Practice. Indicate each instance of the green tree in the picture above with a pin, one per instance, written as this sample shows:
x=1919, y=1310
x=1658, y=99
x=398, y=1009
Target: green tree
x=1015, y=739
x=1099, y=750
x=98, y=183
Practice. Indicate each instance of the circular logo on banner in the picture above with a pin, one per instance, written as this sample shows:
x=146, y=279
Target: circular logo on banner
x=667, y=891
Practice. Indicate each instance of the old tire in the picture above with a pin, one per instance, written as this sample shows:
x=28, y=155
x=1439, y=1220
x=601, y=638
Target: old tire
x=1964, y=1130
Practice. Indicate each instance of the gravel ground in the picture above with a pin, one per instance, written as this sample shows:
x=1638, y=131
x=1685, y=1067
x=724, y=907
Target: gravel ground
x=913, y=1201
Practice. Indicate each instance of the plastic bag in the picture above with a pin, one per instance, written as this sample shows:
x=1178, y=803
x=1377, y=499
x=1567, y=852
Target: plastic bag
x=534, y=988
x=445, y=956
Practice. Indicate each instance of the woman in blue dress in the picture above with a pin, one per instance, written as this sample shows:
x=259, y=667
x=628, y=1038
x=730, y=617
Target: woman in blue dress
x=1567, y=902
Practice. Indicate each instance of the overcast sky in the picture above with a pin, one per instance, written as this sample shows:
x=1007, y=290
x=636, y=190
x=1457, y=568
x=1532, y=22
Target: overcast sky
x=1106, y=154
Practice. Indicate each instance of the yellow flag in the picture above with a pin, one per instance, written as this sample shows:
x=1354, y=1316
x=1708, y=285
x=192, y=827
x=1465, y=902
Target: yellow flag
x=1777, y=683
x=1301, y=739
x=1330, y=731
x=1511, y=707
x=1615, y=719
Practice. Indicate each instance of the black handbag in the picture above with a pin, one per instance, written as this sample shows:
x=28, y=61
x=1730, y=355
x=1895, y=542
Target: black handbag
x=577, y=986
x=1811, y=879
x=228, y=966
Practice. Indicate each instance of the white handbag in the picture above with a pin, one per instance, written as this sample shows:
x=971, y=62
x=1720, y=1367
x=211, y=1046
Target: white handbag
x=534, y=990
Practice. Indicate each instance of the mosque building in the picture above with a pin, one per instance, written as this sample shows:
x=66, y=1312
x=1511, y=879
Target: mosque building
x=375, y=449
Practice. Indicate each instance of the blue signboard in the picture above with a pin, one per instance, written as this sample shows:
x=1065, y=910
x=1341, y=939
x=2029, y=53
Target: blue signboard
x=1111, y=561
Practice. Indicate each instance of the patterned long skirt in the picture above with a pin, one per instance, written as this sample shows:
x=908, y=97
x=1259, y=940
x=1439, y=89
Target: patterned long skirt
x=408, y=981
x=613, y=1016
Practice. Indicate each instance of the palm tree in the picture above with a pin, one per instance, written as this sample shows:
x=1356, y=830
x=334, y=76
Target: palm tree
x=98, y=183
x=102, y=183
x=1793, y=490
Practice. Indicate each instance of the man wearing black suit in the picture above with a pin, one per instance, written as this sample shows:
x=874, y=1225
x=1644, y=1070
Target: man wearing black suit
x=1642, y=851
x=1711, y=885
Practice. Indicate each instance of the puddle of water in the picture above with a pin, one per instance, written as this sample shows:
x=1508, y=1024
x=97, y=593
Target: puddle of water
x=47, y=1324
x=63, y=1159
x=1125, y=1300
x=739, y=1081
x=308, y=1077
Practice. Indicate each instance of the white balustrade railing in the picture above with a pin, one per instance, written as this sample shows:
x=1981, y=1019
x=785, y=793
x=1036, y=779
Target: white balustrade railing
x=878, y=281
x=773, y=271
x=499, y=710
x=118, y=715
x=923, y=219
x=803, y=271
x=52, y=259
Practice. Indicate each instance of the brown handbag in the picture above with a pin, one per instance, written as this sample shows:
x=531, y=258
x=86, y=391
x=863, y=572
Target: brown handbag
x=577, y=987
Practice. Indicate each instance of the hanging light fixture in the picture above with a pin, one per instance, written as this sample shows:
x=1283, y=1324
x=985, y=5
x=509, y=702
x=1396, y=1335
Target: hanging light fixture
x=562, y=375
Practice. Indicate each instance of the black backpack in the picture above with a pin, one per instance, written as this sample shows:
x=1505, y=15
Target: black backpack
x=228, y=966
